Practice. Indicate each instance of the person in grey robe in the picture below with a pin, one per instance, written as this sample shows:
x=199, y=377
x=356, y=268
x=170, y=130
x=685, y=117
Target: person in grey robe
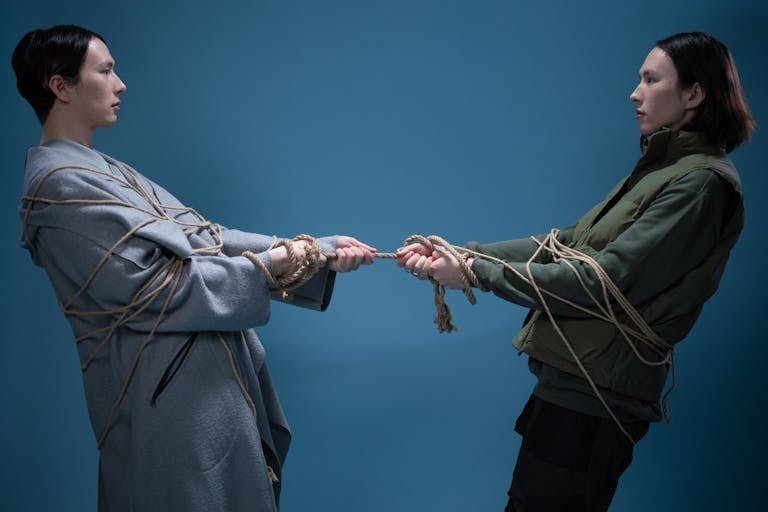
x=162, y=303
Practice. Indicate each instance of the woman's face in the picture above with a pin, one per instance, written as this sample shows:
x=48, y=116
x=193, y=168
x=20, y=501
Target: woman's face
x=95, y=96
x=658, y=98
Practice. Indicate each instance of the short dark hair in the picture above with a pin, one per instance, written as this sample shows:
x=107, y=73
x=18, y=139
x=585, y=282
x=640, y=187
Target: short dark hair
x=723, y=117
x=43, y=53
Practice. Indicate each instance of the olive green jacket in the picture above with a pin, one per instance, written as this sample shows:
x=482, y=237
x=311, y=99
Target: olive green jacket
x=663, y=235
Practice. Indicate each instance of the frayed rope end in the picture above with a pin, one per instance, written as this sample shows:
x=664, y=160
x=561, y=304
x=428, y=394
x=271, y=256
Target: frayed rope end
x=443, y=315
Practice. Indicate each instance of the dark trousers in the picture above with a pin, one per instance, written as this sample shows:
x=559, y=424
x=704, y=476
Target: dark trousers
x=568, y=461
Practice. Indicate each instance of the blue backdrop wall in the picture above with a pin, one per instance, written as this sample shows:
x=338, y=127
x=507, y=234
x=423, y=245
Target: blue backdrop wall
x=473, y=120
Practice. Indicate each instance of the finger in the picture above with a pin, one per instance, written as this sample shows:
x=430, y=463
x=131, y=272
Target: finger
x=427, y=268
x=414, y=247
x=410, y=264
x=355, y=257
x=338, y=262
x=349, y=241
x=349, y=259
x=409, y=260
x=359, y=257
x=421, y=268
x=403, y=256
x=357, y=243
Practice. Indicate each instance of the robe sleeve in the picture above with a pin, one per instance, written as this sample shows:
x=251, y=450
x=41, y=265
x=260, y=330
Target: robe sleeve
x=236, y=242
x=210, y=292
x=314, y=294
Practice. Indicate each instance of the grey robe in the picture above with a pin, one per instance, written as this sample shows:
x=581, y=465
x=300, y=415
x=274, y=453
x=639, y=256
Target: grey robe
x=184, y=437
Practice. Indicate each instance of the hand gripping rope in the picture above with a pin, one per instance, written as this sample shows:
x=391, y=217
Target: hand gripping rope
x=641, y=332
x=166, y=281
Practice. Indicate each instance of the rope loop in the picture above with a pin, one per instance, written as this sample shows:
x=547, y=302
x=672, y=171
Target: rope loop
x=300, y=269
x=443, y=316
x=163, y=284
x=602, y=308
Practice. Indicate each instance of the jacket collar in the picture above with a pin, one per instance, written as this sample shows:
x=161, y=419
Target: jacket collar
x=665, y=147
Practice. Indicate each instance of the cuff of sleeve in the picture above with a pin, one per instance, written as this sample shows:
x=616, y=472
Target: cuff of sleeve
x=266, y=259
x=473, y=246
x=483, y=269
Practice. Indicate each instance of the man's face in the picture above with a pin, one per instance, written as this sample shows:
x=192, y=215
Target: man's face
x=95, y=96
x=658, y=98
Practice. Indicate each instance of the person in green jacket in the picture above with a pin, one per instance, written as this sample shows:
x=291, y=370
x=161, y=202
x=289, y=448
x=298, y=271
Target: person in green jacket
x=611, y=295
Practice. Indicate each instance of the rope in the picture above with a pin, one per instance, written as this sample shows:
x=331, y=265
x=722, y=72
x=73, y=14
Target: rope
x=443, y=316
x=299, y=270
x=165, y=281
x=642, y=332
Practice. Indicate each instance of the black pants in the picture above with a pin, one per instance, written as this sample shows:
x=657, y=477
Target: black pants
x=568, y=461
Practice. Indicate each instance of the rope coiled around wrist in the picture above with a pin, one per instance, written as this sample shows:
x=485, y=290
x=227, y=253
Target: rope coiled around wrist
x=300, y=270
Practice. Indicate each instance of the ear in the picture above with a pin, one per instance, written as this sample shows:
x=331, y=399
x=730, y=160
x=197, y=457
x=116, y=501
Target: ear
x=59, y=87
x=694, y=95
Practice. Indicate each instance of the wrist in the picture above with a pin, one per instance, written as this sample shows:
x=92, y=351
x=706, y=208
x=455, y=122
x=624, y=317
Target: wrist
x=279, y=257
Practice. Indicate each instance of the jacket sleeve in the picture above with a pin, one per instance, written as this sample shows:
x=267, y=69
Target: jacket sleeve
x=520, y=249
x=673, y=235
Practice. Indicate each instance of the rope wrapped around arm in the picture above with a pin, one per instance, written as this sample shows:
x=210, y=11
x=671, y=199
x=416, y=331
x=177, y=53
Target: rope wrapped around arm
x=299, y=270
x=612, y=297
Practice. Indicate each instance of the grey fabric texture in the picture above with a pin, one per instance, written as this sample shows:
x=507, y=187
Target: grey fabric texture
x=184, y=437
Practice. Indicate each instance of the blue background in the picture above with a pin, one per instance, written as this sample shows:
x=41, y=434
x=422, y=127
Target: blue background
x=472, y=120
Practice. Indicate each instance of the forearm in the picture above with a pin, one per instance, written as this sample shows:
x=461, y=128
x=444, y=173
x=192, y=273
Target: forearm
x=670, y=238
x=521, y=249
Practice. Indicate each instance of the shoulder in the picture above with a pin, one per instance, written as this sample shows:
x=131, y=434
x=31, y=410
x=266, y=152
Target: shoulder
x=61, y=168
x=711, y=176
x=701, y=184
x=719, y=165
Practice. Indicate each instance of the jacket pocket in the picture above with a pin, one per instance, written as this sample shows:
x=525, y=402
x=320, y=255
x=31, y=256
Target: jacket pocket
x=172, y=368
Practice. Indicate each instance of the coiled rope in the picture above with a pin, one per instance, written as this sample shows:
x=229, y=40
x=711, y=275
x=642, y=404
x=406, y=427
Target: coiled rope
x=300, y=270
x=166, y=279
x=641, y=332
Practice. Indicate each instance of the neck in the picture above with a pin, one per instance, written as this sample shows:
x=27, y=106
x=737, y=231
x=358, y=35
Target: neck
x=685, y=121
x=58, y=126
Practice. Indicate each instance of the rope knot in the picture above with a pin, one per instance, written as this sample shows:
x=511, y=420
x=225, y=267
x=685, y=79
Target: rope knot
x=434, y=243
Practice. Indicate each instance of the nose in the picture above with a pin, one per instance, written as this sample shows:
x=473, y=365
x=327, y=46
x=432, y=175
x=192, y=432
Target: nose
x=121, y=85
x=634, y=96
